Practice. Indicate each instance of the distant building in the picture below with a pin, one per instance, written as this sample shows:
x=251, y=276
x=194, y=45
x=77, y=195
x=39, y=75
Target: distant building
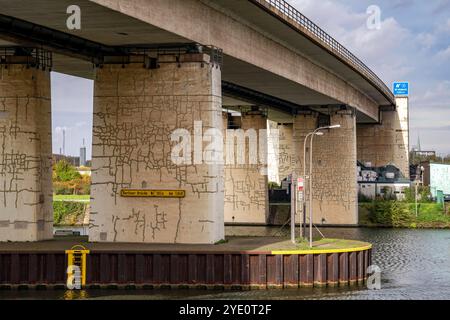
x=417, y=153
x=387, y=181
x=75, y=161
x=82, y=156
x=437, y=177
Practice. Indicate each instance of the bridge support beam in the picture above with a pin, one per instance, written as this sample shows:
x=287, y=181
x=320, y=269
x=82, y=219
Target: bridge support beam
x=136, y=112
x=334, y=167
x=246, y=189
x=26, y=212
x=388, y=142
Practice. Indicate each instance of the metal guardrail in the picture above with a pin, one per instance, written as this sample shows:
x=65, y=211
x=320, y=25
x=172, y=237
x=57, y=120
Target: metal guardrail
x=31, y=56
x=329, y=42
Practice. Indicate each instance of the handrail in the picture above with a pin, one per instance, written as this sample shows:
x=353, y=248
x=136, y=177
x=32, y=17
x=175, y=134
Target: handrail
x=327, y=41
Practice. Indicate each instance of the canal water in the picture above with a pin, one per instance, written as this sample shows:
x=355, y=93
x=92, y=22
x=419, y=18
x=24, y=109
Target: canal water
x=415, y=264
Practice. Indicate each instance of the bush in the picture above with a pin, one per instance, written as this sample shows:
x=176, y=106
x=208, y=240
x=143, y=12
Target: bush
x=64, y=171
x=403, y=214
x=67, y=180
x=363, y=199
x=67, y=212
x=424, y=194
x=273, y=185
x=390, y=213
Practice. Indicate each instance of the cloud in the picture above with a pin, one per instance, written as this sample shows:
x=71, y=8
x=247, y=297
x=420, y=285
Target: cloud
x=435, y=98
x=72, y=107
x=443, y=6
x=426, y=40
x=444, y=54
x=71, y=94
x=411, y=45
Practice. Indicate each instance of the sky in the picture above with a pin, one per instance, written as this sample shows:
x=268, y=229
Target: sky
x=412, y=44
x=72, y=107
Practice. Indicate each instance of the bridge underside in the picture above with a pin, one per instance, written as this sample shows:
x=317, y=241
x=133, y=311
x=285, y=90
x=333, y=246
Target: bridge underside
x=251, y=57
x=151, y=79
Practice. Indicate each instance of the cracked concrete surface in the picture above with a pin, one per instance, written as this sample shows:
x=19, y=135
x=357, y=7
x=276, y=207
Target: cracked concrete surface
x=135, y=112
x=26, y=212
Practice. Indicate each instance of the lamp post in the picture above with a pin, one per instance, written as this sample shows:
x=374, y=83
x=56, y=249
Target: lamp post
x=303, y=231
x=310, y=176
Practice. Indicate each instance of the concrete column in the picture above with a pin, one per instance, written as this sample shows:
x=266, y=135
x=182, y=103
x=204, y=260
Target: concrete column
x=246, y=190
x=388, y=142
x=136, y=110
x=26, y=211
x=273, y=152
x=334, y=167
x=286, y=159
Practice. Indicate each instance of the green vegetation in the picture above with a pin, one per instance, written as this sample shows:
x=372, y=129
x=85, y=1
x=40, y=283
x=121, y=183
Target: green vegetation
x=387, y=212
x=423, y=194
x=68, y=213
x=64, y=172
x=318, y=244
x=72, y=197
x=68, y=181
x=221, y=242
x=273, y=185
x=72, y=194
x=401, y=214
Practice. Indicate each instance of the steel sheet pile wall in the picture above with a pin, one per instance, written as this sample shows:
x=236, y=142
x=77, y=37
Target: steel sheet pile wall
x=208, y=270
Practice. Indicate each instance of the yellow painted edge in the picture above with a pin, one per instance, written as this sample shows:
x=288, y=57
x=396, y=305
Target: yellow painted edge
x=77, y=251
x=323, y=251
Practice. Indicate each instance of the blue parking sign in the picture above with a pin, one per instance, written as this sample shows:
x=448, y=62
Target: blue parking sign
x=401, y=88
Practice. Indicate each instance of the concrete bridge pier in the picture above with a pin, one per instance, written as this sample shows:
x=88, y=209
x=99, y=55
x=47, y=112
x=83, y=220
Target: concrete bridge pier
x=136, y=112
x=387, y=142
x=286, y=159
x=26, y=212
x=246, y=184
x=334, y=167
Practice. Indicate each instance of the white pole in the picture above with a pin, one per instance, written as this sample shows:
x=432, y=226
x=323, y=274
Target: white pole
x=310, y=179
x=304, y=188
x=310, y=188
x=293, y=207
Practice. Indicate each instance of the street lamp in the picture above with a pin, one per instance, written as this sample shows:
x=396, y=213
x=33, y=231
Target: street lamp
x=304, y=177
x=310, y=174
x=294, y=191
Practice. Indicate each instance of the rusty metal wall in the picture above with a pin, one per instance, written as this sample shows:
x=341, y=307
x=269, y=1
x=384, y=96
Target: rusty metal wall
x=247, y=269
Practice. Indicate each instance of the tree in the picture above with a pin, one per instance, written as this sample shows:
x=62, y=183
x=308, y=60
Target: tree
x=64, y=172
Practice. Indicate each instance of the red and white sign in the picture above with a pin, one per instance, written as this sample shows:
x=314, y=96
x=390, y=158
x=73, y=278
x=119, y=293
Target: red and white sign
x=300, y=184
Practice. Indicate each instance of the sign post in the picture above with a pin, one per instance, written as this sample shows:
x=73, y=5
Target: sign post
x=401, y=88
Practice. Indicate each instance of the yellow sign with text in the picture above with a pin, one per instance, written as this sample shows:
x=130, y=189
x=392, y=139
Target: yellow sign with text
x=135, y=193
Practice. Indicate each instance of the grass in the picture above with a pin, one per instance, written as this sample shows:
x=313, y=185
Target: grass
x=318, y=244
x=68, y=213
x=403, y=215
x=71, y=197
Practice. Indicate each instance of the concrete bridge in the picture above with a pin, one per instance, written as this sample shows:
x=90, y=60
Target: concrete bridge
x=161, y=65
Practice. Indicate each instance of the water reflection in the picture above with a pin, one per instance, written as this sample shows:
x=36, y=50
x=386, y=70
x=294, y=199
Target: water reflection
x=415, y=264
x=76, y=294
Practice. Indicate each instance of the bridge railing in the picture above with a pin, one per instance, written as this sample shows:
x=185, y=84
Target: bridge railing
x=328, y=41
